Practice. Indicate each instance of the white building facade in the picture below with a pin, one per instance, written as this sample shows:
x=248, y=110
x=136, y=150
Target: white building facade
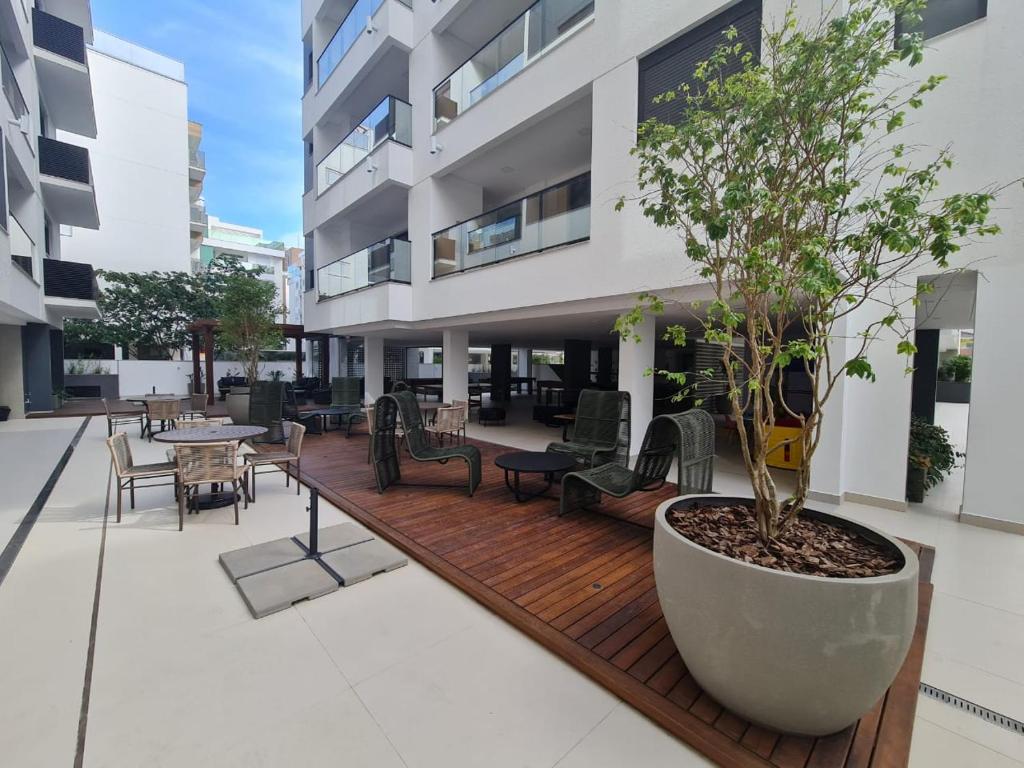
x=140, y=157
x=247, y=244
x=47, y=117
x=463, y=159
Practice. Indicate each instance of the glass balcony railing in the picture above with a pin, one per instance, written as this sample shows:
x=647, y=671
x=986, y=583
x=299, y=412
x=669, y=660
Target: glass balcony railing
x=352, y=26
x=389, y=120
x=558, y=215
x=387, y=261
x=10, y=87
x=508, y=53
x=197, y=159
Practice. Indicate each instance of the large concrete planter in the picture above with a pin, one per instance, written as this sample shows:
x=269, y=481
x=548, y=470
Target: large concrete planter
x=799, y=654
x=237, y=403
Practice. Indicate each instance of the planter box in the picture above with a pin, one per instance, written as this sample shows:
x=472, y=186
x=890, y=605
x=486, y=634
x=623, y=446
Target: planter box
x=104, y=385
x=953, y=392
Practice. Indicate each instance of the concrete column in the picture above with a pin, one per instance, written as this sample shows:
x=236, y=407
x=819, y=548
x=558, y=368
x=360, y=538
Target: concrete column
x=455, y=365
x=373, y=357
x=12, y=385
x=634, y=359
x=36, y=374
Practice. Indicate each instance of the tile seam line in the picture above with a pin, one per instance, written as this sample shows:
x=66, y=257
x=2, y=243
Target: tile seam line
x=13, y=547
x=83, y=715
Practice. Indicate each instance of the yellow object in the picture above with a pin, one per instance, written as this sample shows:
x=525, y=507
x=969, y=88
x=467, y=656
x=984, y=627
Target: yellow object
x=786, y=456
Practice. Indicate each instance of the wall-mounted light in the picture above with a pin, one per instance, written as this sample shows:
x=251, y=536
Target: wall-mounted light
x=435, y=147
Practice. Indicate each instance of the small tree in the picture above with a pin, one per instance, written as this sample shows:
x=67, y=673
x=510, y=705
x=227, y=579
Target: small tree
x=248, y=321
x=793, y=195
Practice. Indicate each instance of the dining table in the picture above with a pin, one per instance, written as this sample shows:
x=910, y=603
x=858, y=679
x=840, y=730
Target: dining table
x=204, y=435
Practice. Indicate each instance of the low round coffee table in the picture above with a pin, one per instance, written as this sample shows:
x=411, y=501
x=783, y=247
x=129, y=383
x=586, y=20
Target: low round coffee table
x=533, y=463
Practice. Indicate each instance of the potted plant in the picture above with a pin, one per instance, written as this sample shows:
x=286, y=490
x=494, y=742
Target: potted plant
x=930, y=458
x=797, y=203
x=248, y=326
x=954, y=385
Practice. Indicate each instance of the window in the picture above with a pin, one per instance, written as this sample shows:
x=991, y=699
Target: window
x=944, y=15
x=675, y=62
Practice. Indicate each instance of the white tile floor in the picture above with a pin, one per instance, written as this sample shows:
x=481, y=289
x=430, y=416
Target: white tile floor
x=402, y=670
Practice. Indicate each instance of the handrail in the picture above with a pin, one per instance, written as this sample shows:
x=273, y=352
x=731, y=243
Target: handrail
x=352, y=150
x=395, y=268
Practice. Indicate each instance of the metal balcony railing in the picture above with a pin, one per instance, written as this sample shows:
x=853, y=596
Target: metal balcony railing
x=69, y=280
x=558, y=215
x=507, y=54
x=65, y=161
x=56, y=35
x=389, y=120
x=389, y=260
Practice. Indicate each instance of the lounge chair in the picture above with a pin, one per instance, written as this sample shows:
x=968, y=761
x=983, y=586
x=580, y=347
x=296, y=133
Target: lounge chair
x=695, y=457
x=600, y=434
x=400, y=409
x=585, y=488
x=346, y=393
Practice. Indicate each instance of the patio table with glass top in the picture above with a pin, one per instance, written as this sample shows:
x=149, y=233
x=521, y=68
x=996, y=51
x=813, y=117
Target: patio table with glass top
x=200, y=435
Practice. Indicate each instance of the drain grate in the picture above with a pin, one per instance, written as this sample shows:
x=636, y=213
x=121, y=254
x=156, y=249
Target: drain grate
x=1003, y=721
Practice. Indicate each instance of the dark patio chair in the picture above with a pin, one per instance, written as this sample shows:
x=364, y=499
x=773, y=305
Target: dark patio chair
x=585, y=488
x=600, y=434
x=346, y=393
x=400, y=410
x=695, y=457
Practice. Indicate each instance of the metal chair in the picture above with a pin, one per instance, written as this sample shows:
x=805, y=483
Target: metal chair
x=209, y=463
x=464, y=405
x=118, y=418
x=127, y=471
x=167, y=412
x=695, y=457
x=196, y=408
x=282, y=460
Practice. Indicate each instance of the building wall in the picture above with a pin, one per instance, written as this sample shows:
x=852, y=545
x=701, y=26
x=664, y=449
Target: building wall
x=140, y=163
x=12, y=386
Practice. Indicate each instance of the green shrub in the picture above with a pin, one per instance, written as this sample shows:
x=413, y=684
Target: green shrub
x=930, y=448
x=957, y=368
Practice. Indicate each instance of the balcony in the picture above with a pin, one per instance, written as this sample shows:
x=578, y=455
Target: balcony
x=24, y=263
x=66, y=178
x=389, y=261
x=196, y=165
x=70, y=289
x=12, y=91
x=63, y=71
x=553, y=217
x=198, y=219
x=375, y=38
x=391, y=120
x=542, y=27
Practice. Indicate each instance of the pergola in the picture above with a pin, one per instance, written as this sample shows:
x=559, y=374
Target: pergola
x=202, y=337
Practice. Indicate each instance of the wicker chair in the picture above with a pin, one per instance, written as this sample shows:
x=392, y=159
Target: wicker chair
x=167, y=412
x=280, y=460
x=401, y=407
x=448, y=421
x=196, y=408
x=600, y=434
x=192, y=424
x=122, y=413
x=584, y=488
x=695, y=458
x=464, y=405
x=209, y=463
x=127, y=471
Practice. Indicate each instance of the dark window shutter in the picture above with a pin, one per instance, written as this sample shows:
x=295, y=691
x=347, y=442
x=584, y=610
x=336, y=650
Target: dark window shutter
x=944, y=15
x=675, y=62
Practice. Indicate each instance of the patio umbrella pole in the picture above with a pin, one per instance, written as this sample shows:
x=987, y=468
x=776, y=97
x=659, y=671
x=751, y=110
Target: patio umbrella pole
x=314, y=523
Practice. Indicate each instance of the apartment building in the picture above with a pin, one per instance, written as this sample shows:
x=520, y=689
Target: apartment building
x=247, y=244
x=47, y=114
x=197, y=216
x=463, y=159
x=140, y=157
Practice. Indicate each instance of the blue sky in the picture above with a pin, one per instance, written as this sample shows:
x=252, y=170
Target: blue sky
x=243, y=63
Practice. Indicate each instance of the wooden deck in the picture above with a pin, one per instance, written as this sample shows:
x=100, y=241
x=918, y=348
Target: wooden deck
x=583, y=586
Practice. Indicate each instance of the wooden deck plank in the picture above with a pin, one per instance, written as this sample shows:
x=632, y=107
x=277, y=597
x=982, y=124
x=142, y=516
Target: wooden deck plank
x=583, y=586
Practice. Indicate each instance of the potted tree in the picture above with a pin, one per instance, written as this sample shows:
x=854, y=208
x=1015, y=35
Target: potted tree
x=794, y=197
x=247, y=326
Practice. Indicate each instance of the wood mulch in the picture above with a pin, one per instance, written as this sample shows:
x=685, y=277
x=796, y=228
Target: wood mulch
x=583, y=586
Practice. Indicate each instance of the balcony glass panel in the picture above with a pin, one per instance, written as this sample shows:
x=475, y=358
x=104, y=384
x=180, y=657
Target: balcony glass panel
x=353, y=25
x=507, y=54
x=389, y=120
x=555, y=216
x=10, y=87
x=387, y=261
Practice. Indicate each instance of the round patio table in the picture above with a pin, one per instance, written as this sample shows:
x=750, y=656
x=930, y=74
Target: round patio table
x=143, y=399
x=200, y=435
x=533, y=463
